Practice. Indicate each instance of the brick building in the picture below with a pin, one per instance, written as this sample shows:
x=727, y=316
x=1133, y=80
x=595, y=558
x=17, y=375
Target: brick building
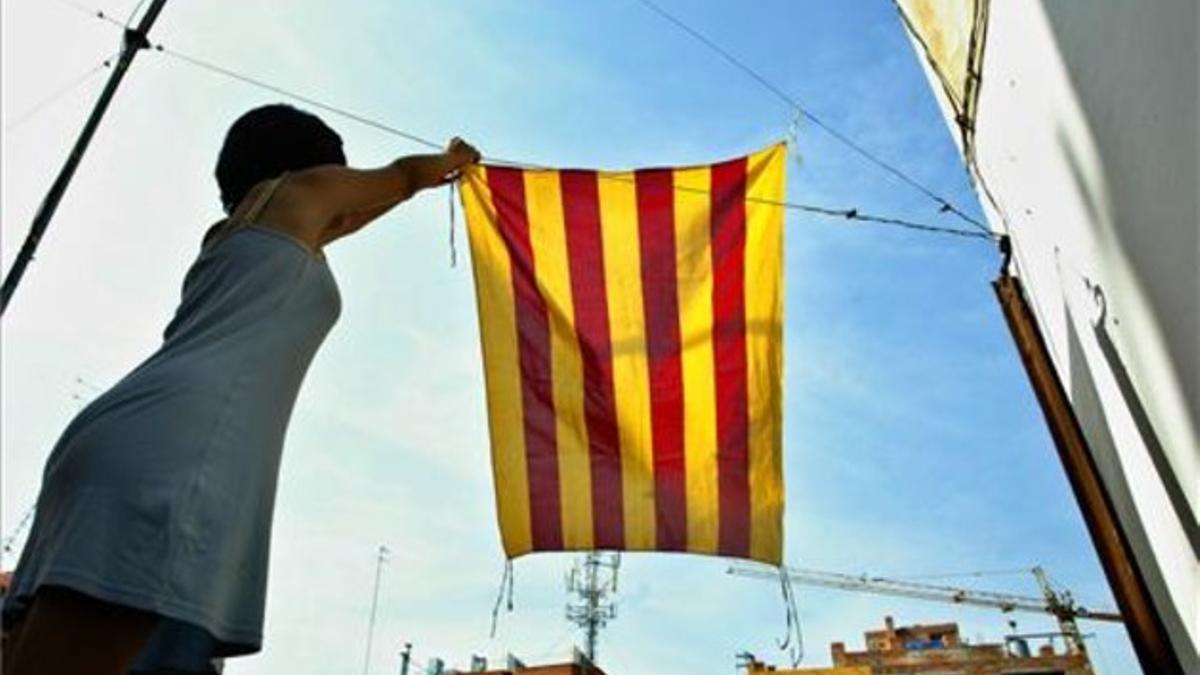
x=938, y=648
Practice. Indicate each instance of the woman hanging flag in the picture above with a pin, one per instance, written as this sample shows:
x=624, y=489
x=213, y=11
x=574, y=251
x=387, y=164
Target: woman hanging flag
x=154, y=520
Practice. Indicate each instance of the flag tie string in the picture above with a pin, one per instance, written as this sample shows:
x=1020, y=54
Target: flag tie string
x=506, y=591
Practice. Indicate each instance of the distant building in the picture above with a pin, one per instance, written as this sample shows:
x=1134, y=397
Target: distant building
x=555, y=669
x=579, y=665
x=938, y=648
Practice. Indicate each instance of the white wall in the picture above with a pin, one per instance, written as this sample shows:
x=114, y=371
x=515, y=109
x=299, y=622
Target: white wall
x=1087, y=139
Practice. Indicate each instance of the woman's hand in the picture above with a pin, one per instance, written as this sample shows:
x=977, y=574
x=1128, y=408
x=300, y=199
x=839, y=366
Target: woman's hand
x=459, y=153
x=462, y=153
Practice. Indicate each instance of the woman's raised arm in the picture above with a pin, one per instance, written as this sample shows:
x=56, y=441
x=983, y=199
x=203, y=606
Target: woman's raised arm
x=338, y=200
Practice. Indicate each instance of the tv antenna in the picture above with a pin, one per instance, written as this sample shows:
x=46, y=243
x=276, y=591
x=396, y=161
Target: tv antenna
x=592, y=580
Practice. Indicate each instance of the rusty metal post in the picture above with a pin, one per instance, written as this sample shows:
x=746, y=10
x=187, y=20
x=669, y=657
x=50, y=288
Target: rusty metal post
x=1142, y=622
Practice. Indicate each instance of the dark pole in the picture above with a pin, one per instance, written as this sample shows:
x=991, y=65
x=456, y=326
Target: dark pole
x=405, y=658
x=134, y=41
x=1145, y=628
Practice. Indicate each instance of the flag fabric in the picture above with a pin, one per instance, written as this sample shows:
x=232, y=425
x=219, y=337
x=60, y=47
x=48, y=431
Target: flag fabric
x=631, y=325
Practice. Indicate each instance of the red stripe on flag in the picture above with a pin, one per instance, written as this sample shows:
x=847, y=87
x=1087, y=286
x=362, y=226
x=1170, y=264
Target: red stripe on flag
x=729, y=352
x=533, y=339
x=656, y=232
x=585, y=249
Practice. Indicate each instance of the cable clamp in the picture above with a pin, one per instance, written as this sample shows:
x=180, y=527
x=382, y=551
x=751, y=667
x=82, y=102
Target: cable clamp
x=1006, y=250
x=136, y=40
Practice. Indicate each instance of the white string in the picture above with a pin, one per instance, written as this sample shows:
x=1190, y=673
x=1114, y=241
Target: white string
x=506, y=588
x=453, y=248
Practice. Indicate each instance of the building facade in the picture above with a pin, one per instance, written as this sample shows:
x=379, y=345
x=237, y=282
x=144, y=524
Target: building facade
x=938, y=649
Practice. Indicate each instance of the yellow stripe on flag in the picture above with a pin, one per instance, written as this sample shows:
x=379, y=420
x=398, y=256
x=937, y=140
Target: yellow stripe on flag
x=764, y=349
x=548, y=238
x=498, y=334
x=631, y=379
x=694, y=279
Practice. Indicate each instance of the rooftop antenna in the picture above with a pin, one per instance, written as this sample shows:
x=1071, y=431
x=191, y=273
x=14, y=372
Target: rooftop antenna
x=380, y=559
x=592, y=580
x=405, y=658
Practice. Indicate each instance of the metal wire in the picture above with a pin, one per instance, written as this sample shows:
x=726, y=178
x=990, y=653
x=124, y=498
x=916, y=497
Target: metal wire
x=57, y=94
x=221, y=70
x=94, y=13
x=945, y=204
x=848, y=214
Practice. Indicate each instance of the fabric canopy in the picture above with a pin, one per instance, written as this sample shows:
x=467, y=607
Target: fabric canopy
x=952, y=35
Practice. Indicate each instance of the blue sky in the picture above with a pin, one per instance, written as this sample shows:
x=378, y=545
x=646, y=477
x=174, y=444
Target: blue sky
x=913, y=443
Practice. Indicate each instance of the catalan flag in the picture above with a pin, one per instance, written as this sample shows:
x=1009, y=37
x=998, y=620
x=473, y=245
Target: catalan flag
x=632, y=345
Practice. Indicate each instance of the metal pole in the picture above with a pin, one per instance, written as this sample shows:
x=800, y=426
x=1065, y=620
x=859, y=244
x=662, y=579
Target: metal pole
x=405, y=657
x=593, y=605
x=382, y=557
x=1145, y=628
x=135, y=40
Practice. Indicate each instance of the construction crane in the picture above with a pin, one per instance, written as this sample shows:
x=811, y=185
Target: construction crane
x=1058, y=603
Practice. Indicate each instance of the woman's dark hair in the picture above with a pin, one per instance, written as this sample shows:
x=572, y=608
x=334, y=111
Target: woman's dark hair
x=266, y=142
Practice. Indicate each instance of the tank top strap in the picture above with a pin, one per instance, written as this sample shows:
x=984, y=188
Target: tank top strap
x=260, y=203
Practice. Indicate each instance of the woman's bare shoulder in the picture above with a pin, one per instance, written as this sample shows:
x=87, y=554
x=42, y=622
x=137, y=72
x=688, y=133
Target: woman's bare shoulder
x=294, y=209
